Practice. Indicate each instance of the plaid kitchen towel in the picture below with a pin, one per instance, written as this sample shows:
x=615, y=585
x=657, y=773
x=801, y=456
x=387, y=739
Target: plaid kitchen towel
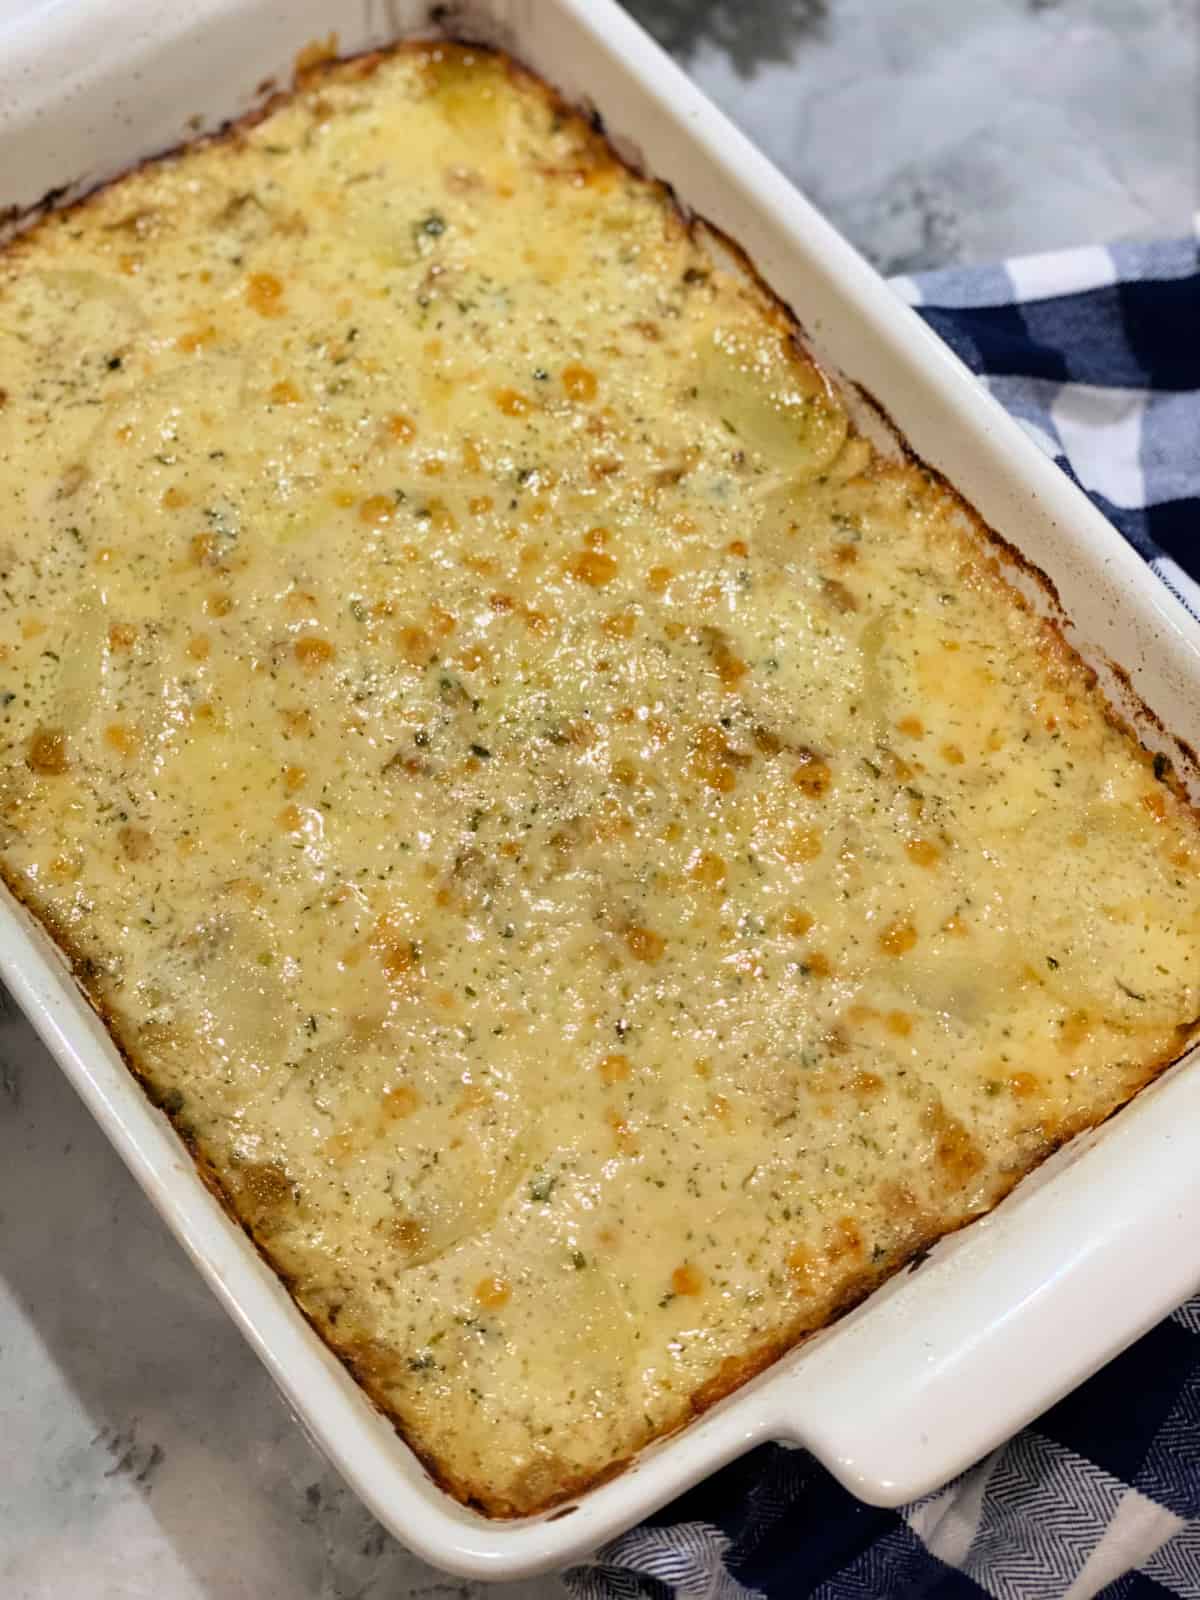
x=1097, y=353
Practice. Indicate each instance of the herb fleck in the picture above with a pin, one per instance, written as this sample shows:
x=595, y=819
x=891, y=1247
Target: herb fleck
x=541, y=1186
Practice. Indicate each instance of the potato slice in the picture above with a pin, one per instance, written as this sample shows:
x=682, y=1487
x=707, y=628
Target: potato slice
x=770, y=400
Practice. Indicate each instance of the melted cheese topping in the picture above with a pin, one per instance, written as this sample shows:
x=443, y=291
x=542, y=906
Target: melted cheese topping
x=597, y=861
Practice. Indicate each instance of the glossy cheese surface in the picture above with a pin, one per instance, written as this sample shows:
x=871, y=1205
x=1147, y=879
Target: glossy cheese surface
x=598, y=862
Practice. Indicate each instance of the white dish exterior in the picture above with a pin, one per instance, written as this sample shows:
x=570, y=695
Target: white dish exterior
x=938, y=1366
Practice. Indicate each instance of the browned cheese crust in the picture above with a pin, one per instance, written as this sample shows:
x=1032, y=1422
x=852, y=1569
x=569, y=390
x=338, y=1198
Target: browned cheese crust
x=597, y=862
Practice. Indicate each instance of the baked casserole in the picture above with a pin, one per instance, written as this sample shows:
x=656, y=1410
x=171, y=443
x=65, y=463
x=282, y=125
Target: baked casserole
x=599, y=861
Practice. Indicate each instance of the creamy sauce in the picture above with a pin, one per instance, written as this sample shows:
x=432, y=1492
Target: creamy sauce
x=598, y=862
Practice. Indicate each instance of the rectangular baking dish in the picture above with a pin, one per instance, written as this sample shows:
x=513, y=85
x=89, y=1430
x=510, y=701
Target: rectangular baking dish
x=942, y=1363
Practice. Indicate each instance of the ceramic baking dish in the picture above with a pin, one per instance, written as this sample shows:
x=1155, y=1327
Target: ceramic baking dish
x=941, y=1363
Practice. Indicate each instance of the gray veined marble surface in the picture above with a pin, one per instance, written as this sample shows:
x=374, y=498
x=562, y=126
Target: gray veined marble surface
x=143, y=1451
x=939, y=131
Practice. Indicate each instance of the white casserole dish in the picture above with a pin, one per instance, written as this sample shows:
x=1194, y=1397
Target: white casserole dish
x=1100, y=1242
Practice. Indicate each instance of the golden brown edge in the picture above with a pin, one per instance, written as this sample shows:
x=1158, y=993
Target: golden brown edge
x=311, y=65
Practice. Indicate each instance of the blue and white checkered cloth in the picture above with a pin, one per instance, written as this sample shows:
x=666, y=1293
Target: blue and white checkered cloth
x=1097, y=352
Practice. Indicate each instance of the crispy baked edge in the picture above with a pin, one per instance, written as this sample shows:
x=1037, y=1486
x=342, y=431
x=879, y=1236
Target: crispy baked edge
x=734, y=1371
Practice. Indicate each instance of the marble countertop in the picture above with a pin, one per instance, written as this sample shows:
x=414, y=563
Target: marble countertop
x=933, y=132
x=143, y=1451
